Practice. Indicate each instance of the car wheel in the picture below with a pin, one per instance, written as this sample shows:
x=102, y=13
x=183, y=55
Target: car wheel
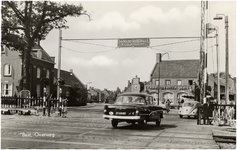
x=158, y=122
x=180, y=116
x=114, y=123
x=188, y=116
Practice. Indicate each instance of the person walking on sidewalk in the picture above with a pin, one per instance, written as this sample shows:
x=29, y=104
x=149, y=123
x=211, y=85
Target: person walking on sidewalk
x=167, y=106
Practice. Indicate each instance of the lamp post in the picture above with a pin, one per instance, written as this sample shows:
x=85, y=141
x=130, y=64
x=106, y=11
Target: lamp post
x=160, y=58
x=220, y=17
x=210, y=29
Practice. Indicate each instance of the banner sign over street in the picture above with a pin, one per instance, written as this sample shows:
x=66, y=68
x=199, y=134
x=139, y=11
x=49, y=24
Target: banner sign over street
x=134, y=42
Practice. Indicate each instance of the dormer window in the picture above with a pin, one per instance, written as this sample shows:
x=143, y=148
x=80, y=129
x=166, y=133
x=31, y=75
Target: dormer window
x=38, y=53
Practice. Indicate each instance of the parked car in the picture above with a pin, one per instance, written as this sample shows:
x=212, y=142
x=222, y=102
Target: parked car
x=189, y=108
x=133, y=108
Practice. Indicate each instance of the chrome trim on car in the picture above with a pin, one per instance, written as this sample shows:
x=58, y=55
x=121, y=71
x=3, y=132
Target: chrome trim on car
x=122, y=117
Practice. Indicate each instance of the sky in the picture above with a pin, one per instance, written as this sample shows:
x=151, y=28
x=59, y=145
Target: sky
x=101, y=64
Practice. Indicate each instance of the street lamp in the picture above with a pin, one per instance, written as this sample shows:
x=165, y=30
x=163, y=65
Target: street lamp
x=220, y=17
x=209, y=30
x=160, y=58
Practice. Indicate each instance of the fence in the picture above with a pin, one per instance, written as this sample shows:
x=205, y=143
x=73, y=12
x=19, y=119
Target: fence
x=217, y=114
x=17, y=104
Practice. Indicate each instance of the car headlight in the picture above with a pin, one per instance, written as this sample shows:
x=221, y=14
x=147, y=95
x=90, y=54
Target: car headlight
x=137, y=112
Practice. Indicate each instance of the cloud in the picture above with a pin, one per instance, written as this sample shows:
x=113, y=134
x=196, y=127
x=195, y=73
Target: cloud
x=97, y=61
x=128, y=62
x=153, y=13
x=112, y=20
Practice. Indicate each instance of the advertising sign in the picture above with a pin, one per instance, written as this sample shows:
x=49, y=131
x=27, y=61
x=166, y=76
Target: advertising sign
x=134, y=42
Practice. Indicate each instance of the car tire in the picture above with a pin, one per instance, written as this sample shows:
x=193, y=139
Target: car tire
x=114, y=123
x=180, y=116
x=188, y=116
x=158, y=122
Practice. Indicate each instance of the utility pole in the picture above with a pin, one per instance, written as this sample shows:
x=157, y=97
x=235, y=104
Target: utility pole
x=202, y=54
x=59, y=63
x=219, y=17
x=227, y=61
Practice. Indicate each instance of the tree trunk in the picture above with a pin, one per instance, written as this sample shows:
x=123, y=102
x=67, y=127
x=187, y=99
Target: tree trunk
x=26, y=65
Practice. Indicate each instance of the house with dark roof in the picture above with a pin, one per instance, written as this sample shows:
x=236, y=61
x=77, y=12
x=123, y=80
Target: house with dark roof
x=172, y=79
x=69, y=80
x=41, y=69
x=96, y=95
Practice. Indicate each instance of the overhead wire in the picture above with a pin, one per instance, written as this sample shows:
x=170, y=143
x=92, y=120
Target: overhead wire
x=89, y=52
x=174, y=43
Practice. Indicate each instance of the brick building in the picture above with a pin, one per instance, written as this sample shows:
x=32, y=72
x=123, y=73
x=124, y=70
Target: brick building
x=41, y=67
x=174, y=78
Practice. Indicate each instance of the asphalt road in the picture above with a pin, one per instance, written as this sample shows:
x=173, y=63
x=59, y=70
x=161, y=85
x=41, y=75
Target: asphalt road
x=84, y=128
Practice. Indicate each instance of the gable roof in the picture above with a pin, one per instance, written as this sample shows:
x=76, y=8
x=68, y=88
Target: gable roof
x=45, y=55
x=68, y=77
x=176, y=69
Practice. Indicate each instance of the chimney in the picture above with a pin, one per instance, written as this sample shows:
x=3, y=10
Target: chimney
x=71, y=71
x=129, y=82
x=158, y=57
x=53, y=59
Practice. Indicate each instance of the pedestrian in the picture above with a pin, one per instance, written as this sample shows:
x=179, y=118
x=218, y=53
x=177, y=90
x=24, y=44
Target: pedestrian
x=167, y=106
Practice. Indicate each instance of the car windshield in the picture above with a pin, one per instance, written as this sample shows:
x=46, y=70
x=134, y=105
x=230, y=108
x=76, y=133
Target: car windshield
x=130, y=99
x=189, y=104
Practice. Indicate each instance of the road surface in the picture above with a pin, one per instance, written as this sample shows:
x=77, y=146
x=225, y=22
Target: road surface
x=84, y=128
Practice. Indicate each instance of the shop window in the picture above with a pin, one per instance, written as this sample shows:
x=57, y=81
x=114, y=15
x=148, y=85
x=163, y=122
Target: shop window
x=7, y=90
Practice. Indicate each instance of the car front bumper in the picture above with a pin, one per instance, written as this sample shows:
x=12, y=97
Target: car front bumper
x=122, y=117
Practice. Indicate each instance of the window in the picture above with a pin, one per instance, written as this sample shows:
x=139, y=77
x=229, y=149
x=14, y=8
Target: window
x=38, y=90
x=190, y=82
x=180, y=82
x=7, y=90
x=7, y=70
x=38, y=73
x=157, y=82
x=3, y=50
x=47, y=74
x=167, y=82
x=39, y=54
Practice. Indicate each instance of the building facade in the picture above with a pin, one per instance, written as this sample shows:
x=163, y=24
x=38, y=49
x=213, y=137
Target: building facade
x=41, y=70
x=172, y=79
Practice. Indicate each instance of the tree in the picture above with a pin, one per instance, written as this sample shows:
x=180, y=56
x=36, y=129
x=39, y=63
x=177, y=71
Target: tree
x=78, y=95
x=26, y=22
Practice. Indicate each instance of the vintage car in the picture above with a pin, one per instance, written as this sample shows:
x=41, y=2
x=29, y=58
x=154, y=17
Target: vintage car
x=133, y=108
x=189, y=108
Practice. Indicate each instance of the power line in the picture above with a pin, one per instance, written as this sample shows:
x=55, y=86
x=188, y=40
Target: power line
x=174, y=43
x=94, y=44
x=98, y=39
x=89, y=52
